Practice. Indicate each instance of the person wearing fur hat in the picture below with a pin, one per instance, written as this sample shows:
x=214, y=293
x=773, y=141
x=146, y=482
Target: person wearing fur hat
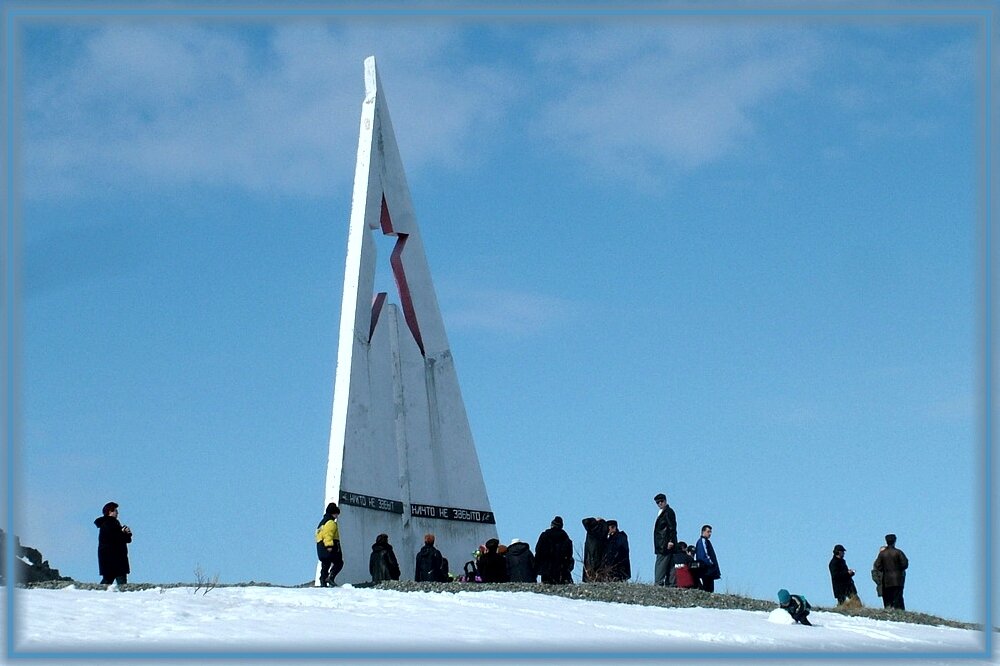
x=892, y=564
x=520, y=563
x=112, y=546
x=841, y=576
x=554, y=554
x=331, y=557
x=382, y=564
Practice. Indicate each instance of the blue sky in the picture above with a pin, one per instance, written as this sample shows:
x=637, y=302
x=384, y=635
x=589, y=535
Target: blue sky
x=734, y=258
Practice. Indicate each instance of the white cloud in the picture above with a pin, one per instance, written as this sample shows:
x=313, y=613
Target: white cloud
x=506, y=311
x=161, y=104
x=669, y=96
x=275, y=107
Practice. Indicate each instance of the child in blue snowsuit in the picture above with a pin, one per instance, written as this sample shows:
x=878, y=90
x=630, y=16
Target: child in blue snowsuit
x=796, y=605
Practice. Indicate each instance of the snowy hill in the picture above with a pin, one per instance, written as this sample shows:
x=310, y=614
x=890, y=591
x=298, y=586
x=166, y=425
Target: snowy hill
x=347, y=619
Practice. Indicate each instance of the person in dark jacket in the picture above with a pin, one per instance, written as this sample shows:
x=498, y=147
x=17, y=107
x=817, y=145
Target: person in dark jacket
x=664, y=539
x=112, y=546
x=493, y=564
x=554, y=554
x=520, y=563
x=708, y=564
x=331, y=557
x=616, y=558
x=593, y=550
x=796, y=605
x=892, y=564
x=877, y=575
x=683, y=560
x=382, y=563
x=430, y=563
x=841, y=576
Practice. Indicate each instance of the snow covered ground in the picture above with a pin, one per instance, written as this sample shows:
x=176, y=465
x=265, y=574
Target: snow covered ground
x=279, y=621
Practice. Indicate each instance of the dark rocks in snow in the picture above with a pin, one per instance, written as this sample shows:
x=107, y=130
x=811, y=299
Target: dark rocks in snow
x=30, y=566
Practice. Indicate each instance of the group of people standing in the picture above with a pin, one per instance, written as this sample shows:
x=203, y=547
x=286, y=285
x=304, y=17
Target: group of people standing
x=605, y=552
x=605, y=558
x=888, y=574
x=677, y=563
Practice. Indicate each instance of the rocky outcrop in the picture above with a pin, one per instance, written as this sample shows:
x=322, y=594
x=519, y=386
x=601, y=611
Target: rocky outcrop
x=30, y=566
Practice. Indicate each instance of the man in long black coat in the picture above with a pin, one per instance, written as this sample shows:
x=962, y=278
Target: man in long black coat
x=554, y=554
x=664, y=538
x=616, y=558
x=841, y=576
x=593, y=549
x=112, y=546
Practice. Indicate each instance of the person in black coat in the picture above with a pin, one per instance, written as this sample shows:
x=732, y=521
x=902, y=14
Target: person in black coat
x=841, y=576
x=493, y=564
x=382, y=564
x=520, y=563
x=554, y=554
x=112, y=546
x=430, y=563
x=593, y=550
x=616, y=558
x=664, y=540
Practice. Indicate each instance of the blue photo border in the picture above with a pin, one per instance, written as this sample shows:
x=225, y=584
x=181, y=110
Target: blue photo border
x=15, y=13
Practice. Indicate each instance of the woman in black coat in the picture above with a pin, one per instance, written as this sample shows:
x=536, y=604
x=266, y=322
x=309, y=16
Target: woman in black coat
x=382, y=564
x=112, y=546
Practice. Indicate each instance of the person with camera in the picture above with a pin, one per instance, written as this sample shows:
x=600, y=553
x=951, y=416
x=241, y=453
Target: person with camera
x=112, y=546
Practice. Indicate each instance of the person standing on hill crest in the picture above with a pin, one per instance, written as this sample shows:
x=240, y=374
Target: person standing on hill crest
x=709, y=564
x=841, y=576
x=892, y=564
x=617, y=564
x=593, y=549
x=877, y=575
x=664, y=539
x=520, y=563
x=430, y=564
x=554, y=554
x=331, y=557
x=112, y=546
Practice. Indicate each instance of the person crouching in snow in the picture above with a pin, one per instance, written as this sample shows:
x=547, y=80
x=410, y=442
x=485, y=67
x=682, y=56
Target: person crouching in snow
x=796, y=605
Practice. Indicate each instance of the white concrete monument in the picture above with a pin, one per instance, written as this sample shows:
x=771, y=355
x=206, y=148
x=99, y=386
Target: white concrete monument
x=402, y=460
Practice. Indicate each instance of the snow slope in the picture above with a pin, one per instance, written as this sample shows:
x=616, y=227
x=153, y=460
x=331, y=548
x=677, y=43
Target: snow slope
x=347, y=619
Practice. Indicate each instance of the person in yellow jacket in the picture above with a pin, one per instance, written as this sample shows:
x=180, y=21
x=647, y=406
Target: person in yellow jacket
x=328, y=546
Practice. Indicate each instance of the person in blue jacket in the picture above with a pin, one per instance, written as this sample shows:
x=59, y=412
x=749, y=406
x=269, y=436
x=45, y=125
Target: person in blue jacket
x=708, y=564
x=796, y=605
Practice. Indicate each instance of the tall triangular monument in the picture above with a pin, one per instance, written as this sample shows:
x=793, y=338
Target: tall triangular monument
x=402, y=460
